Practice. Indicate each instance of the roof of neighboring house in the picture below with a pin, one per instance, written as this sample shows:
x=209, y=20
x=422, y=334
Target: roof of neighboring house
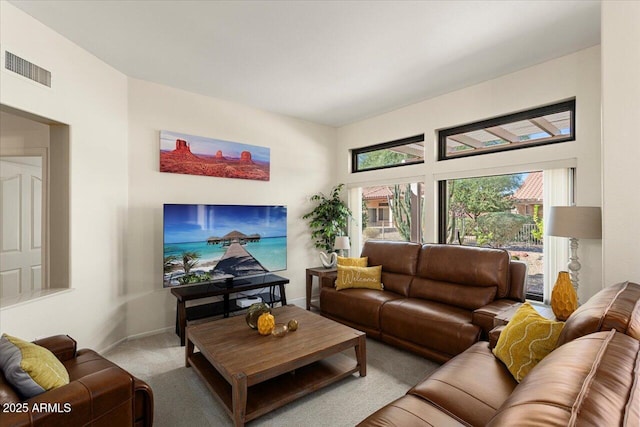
x=531, y=188
x=370, y=193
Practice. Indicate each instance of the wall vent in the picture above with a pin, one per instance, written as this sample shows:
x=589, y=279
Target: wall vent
x=27, y=69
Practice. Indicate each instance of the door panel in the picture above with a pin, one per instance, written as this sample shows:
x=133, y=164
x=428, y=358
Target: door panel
x=20, y=227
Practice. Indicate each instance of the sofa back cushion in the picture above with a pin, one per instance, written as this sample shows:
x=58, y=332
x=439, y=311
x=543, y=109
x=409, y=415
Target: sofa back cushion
x=592, y=380
x=463, y=276
x=398, y=260
x=614, y=307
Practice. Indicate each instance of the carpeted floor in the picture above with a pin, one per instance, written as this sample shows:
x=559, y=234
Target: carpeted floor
x=182, y=399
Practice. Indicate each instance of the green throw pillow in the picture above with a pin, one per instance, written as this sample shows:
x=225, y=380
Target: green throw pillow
x=526, y=340
x=30, y=368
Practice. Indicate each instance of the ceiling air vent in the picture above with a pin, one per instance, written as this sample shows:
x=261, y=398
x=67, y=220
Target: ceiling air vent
x=27, y=69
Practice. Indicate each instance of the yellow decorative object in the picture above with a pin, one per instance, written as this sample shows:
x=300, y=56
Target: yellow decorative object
x=266, y=323
x=293, y=325
x=359, y=277
x=353, y=262
x=564, y=299
x=526, y=340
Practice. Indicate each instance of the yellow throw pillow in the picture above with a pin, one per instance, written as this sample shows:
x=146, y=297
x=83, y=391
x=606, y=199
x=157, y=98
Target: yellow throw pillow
x=526, y=340
x=30, y=368
x=353, y=262
x=359, y=277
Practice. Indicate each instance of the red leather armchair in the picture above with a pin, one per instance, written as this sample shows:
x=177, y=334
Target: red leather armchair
x=99, y=393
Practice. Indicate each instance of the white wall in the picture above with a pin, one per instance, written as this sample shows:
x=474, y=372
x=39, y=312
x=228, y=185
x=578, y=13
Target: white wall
x=301, y=164
x=117, y=192
x=91, y=98
x=621, y=144
x=576, y=75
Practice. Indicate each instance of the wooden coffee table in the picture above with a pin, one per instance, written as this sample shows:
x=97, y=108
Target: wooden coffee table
x=252, y=374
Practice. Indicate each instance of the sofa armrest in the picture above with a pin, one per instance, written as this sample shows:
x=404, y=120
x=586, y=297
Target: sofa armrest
x=485, y=315
x=517, y=280
x=62, y=346
x=144, y=403
x=101, y=396
x=494, y=334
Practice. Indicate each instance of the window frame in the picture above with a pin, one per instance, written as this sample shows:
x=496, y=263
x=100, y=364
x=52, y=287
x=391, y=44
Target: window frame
x=443, y=134
x=383, y=146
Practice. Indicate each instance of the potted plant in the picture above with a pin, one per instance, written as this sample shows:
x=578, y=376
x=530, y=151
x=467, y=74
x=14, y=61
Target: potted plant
x=328, y=220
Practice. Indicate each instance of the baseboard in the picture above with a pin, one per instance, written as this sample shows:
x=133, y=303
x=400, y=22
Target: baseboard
x=136, y=336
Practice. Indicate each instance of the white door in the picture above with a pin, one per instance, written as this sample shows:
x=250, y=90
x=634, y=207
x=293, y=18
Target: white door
x=20, y=225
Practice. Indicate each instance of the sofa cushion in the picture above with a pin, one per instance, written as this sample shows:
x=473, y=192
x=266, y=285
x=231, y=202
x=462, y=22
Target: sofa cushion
x=398, y=261
x=356, y=306
x=470, y=387
x=30, y=368
x=409, y=411
x=593, y=380
x=466, y=265
x=444, y=328
x=526, y=340
x=463, y=296
x=614, y=307
x=359, y=277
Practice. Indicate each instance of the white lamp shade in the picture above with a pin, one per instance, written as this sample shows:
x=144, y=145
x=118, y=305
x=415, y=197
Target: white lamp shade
x=580, y=222
x=342, y=242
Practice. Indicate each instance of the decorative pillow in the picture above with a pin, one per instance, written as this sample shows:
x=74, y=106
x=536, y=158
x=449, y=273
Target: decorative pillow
x=526, y=340
x=353, y=262
x=359, y=277
x=30, y=368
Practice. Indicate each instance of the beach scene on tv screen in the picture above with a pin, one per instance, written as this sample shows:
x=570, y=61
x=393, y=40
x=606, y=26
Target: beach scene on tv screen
x=215, y=242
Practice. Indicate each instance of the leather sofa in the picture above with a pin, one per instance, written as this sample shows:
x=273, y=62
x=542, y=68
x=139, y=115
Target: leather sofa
x=438, y=300
x=99, y=393
x=592, y=378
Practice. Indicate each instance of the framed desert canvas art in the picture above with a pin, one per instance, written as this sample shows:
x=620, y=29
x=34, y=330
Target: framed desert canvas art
x=199, y=155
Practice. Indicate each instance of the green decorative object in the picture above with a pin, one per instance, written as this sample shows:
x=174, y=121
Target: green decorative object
x=328, y=219
x=254, y=312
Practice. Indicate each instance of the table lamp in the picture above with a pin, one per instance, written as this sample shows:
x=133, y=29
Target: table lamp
x=574, y=222
x=342, y=243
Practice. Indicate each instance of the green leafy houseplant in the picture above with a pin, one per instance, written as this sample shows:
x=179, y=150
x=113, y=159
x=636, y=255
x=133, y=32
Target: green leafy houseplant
x=328, y=219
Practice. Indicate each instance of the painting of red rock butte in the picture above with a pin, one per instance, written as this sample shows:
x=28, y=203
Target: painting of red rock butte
x=197, y=155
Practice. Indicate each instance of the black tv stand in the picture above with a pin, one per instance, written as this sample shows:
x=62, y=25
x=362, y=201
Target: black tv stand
x=227, y=305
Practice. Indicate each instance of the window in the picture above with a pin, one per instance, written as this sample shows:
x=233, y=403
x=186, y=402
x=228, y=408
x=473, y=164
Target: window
x=392, y=212
x=540, y=126
x=402, y=152
x=507, y=211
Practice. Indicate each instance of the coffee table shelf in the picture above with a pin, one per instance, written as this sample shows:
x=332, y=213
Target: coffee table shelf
x=269, y=395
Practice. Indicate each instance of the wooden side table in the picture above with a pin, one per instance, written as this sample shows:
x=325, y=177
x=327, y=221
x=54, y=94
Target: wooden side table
x=319, y=272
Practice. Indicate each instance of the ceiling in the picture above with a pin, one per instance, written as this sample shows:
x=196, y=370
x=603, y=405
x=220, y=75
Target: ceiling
x=328, y=62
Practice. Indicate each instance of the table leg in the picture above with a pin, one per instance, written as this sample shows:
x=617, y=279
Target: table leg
x=188, y=352
x=309, y=282
x=182, y=320
x=361, y=355
x=225, y=305
x=283, y=295
x=239, y=396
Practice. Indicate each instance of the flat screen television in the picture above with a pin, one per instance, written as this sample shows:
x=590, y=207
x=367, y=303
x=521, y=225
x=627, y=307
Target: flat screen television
x=204, y=243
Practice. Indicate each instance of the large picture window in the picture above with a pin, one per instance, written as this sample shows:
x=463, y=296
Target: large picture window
x=506, y=211
x=539, y=126
x=402, y=152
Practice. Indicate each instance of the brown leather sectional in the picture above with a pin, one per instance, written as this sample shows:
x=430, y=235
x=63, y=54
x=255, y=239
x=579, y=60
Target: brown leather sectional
x=438, y=300
x=99, y=393
x=591, y=379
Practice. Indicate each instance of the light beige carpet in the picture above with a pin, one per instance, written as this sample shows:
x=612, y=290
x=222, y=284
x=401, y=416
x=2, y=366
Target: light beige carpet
x=182, y=399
